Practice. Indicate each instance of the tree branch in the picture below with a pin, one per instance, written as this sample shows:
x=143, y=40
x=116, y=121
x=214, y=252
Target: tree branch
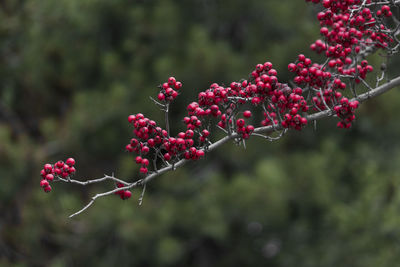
x=257, y=131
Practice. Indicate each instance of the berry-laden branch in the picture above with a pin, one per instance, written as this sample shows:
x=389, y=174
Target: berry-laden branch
x=350, y=30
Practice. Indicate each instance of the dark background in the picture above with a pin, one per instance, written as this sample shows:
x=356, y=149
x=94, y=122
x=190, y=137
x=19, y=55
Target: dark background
x=71, y=71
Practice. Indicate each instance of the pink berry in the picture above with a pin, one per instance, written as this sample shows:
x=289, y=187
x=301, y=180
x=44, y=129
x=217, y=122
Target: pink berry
x=247, y=113
x=49, y=177
x=206, y=133
x=167, y=156
x=161, y=97
x=126, y=194
x=199, y=153
x=171, y=81
x=48, y=168
x=131, y=118
x=240, y=122
x=47, y=188
x=178, y=85
x=70, y=162
x=44, y=183
x=72, y=170
x=138, y=159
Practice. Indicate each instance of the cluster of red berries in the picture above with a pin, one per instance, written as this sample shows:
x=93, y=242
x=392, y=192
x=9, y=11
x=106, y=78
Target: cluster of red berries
x=347, y=29
x=169, y=90
x=289, y=102
x=192, y=122
x=309, y=74
x=123, y=194
x=327, y=99
x=148, y=134
x=345, y=111
x=384, y=11
x=56, y=170
x=244, y=130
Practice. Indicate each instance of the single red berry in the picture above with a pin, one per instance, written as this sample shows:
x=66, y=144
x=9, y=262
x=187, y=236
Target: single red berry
x=131, y=118
x=240, y=122
x=171, y=81
x=44, y=183
x=199, y=153
x=47, y=189
x=249, y=129
x=70, y=162
x=143, y=170
x=145, y=149
x=72, y=170
x=167, y=156
x=165, y=85
x=126, y=194
x=138, y=159
x=48, y=168
x=206, y=133
x=50, y=177
x=247, y=113
x=178, y=85
x=161, y=96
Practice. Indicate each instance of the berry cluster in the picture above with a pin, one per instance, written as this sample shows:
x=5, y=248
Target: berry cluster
x=57, y=170
x=148, y=134
x=290, y=103
x=384, y=11
x=123, y=194
x=345, y=111
x=152, y=140
x=169, y=90
x=350, y=30
x=327, y=99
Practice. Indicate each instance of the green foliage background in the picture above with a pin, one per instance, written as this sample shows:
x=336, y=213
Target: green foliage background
x=71, y=71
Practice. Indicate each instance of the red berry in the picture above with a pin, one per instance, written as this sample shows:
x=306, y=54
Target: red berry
x=161, y=96
x=50, y=177
x=145, y=162
x=125, y=194
x=165, y=85
x=72, y=170
x=138, y=159
x=48, y=168
x=167, y=156
x=44, y=183
x=47, y=188
x=240, y=122
x=145, y=149
x=171, y=81
x=178, y=85
x=247, y=113
x=131, y=118
x=249, y=129
x=70, y=162
x=199, y=153
x=206, y=133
